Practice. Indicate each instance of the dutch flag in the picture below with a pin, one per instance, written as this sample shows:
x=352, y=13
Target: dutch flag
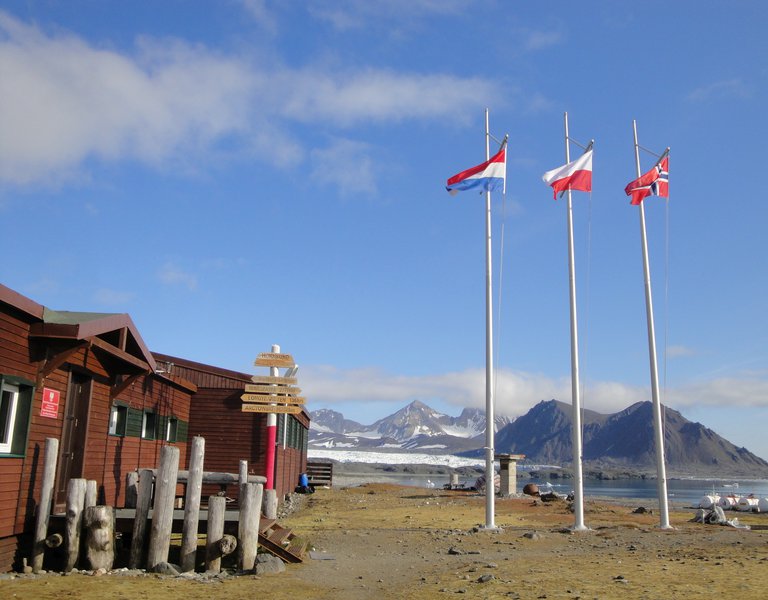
x=489, y=176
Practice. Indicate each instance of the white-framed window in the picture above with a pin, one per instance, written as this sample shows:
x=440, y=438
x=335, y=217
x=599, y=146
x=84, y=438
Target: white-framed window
x=171, y=429
x=118, y=419
x=9, y=404
x=148, y=425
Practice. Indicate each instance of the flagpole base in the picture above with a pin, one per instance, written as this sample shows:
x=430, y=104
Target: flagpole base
x=489, y=528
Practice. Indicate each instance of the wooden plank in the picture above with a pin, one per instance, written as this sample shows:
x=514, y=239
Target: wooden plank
x=267, y=379
x=266, y=408
x=262, y=399
x=278, y=550
x=288, y=390
x=274, y=359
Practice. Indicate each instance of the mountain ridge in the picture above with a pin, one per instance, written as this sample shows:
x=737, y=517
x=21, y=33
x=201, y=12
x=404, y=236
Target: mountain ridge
x=624, y=439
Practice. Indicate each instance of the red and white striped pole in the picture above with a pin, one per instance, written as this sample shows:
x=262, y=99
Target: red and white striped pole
x=271, y=434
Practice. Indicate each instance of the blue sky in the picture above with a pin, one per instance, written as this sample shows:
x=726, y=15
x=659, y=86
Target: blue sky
x=239, y=174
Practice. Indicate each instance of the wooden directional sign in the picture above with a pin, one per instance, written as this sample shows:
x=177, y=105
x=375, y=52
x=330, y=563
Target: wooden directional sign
x=272, y=389
x=266, y=408
x=274, y=359
x=262, y=399
x=267, y=379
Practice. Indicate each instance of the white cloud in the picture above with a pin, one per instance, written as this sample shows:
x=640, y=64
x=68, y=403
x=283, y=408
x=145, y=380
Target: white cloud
x=728, y=88
x=110, y=297
x=679, y=351
x=170, y=274
x=516, y=392
x=745, y=390
x=70, y=101
x=344, y=163
x=259, y=12
x=379, y=95
x=536, y=40
x=172, y=104
x=344, y=15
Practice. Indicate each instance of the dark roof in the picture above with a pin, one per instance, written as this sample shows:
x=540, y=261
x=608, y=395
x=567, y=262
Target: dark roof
x=22, y=303
x=113, y=333
x=203, y=368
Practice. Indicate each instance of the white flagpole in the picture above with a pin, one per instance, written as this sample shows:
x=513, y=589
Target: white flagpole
x=490, y=474
x=578, y=495
x=661, y=474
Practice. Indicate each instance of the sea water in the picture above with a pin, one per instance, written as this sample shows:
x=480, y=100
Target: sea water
x=681, y=492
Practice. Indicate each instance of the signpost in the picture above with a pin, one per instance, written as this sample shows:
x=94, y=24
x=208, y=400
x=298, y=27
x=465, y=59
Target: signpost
x=269, y=379
x=272, y=395
x=261, y=399
x=272, y=389
x=272, y=409
x=274, y=359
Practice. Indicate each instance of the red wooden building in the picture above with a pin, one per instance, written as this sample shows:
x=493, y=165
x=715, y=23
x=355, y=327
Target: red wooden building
x=231, y=435
x=88, y=380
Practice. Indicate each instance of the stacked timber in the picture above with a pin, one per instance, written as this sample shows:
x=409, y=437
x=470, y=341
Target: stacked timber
x=89, y=537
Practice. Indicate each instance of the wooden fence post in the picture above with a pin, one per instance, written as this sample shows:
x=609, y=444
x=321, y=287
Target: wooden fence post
x=217, y=505
x=44, y=507
x=192, y=505
x=131, y=489
x=74, y=518
x=248, y=525
x=162, y=516
x=99, y=523
x=91, y=493
x=270, y=504
x=143, y=502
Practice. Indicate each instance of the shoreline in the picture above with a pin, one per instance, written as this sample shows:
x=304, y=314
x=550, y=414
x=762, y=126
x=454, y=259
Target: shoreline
x=548, y=472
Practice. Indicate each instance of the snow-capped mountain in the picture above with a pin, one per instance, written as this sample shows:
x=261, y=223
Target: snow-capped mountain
x=543, y=435
x=416, y=426
x=331, y=421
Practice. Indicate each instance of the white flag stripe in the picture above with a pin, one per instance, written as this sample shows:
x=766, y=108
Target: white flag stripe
x=583, y=163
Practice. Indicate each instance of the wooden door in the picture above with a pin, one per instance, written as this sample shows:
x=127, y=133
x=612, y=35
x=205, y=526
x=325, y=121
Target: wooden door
x=73, y=435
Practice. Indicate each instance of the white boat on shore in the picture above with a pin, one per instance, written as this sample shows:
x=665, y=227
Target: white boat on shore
x=747, y=504
x=709, y=501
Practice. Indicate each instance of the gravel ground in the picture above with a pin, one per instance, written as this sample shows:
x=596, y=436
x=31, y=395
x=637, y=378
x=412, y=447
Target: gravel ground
x=384, y=541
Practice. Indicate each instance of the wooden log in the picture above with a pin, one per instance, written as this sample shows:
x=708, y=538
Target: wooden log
x=192, y=505
x=44, y=507
x=243, y=472
x=74, y=521
x=54, y=540
x=162, y=516
x=131, y=489
x=248, y=525
x=269, y=507
x=217, y=506
x=91, y=491
x=217, y=478
x=227, y=544
x=242, y=476
x=99, y=523
x=143, y=500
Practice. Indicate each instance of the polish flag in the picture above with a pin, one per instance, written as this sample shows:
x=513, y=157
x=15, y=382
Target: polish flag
x=576, y=175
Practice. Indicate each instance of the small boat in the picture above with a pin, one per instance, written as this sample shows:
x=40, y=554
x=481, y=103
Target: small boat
x=762, y=505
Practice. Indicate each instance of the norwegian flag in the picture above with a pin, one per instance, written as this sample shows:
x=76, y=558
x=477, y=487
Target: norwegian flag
x=653, y=183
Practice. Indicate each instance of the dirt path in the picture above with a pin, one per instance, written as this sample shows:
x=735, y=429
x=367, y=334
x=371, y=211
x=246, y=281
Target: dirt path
x=390, y=542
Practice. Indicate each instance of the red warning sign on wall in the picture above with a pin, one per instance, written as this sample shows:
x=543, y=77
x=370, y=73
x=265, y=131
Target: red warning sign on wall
x=50, y=407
